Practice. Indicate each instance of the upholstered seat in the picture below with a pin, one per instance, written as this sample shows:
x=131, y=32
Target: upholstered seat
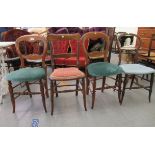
x=26, y=74
x=136, y=69
x=103, y=69
x=66, y=73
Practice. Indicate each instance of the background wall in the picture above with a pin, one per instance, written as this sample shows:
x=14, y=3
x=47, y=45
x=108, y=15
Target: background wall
x=127, y=29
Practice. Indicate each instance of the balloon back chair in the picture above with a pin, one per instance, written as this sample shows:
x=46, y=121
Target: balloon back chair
x=134, y=71
x=100, y=70
x=28, y=75
x=66, y=73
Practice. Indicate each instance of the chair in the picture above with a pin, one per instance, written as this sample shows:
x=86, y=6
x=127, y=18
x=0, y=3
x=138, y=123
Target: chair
x=65, y=74
x=100, y=70
x=134, y=70
x=12, y=56
x=28, y=75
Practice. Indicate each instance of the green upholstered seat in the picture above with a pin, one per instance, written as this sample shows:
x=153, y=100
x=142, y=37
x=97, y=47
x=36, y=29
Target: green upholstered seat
x=100, y=69
x=26, y=74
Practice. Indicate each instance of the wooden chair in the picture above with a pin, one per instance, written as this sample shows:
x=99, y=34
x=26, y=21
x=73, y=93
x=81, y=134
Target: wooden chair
x=12, y=59
x=68, y=73
x=28, y=75
x=100, y=70
x=134, y=70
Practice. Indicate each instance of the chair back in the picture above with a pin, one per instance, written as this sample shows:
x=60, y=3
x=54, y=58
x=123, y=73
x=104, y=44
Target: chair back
x=39, y=50
x=128, y=43
x=93, y=36
x=57, y=39
x=151, y=45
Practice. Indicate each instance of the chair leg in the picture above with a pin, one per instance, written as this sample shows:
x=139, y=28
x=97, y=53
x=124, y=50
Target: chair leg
x=12, y=95
x=124, y=86
x=28, y=88
x=103, y=84
x=87, y=83
x=77, y=86
x=93, y=93
x=84, y=93
x=52, y=96
x=119, y=82
x=46, y=87
x=43, y=95
x=151, y=85
x=132, y=80
x=56, y=90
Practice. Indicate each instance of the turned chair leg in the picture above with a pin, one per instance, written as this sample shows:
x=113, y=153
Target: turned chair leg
x=52, y=96
x=12, y=95
x=103, y=84
x=43, y=95
x=77, y=86
x=151, y=85
x=124, y=87
x=84, y=93
x=93, y=93
x=28, y=88
x=87, y=83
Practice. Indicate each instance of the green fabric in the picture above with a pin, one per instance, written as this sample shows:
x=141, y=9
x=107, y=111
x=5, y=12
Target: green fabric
x=103, y=69
x=26, y=74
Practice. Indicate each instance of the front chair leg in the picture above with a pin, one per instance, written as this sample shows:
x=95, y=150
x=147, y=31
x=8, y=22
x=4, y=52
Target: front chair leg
x=11, y=95
x=43, y=95
x=46, y=87
x=52, y=96
x=124, y=87
x=84, y=93
x=151, y=85
x=87, y=83
x=118, y=84
x=94, y=91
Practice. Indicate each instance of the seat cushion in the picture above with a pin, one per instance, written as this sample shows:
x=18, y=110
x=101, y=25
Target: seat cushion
x=103, y=69
x=26, y=74
x=66, y=73
x=136, y=69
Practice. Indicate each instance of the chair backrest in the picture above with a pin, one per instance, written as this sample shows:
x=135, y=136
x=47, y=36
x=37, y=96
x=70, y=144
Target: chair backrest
x=13, y=34
x=53, y=38
x=151, y=45
x=95, y=36
x=38, y=41
x=128, y=43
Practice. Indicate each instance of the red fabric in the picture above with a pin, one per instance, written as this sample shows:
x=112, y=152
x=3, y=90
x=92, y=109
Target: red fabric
x=72, y=61
x=60, y=46
x=60, y=61
x=66, y=72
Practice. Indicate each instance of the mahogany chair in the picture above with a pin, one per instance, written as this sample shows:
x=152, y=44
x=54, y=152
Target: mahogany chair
x=12, y=58
x=134, y=71
x=28, y=75
x=65, y=73
x=100, y=70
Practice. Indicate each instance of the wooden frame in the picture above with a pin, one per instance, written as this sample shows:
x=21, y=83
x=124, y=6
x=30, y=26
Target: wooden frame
x=28, y=38
x=55, y=82
x=91, y=79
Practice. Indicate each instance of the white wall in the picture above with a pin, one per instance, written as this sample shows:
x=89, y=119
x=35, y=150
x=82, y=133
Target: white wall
x=127, y=29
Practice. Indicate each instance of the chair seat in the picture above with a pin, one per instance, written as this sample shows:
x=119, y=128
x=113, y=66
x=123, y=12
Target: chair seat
x=136, y=69
x=26, y=74
x=103, y=69
x=66, y=73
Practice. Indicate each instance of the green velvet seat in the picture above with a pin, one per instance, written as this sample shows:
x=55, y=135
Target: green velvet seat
x=26, y=74
x=101, y=69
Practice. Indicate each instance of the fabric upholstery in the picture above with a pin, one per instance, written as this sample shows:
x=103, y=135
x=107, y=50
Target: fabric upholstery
x=100, y=69
x=26, y=74
x=136, y=69
x=66, y=73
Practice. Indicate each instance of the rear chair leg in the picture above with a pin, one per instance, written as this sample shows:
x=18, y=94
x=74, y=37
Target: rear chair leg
x=84, y=93
x=77, y=86
x=28, y=88
x=52, y=96
x=12, y=95
x=93, y=93
x=151, y=85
